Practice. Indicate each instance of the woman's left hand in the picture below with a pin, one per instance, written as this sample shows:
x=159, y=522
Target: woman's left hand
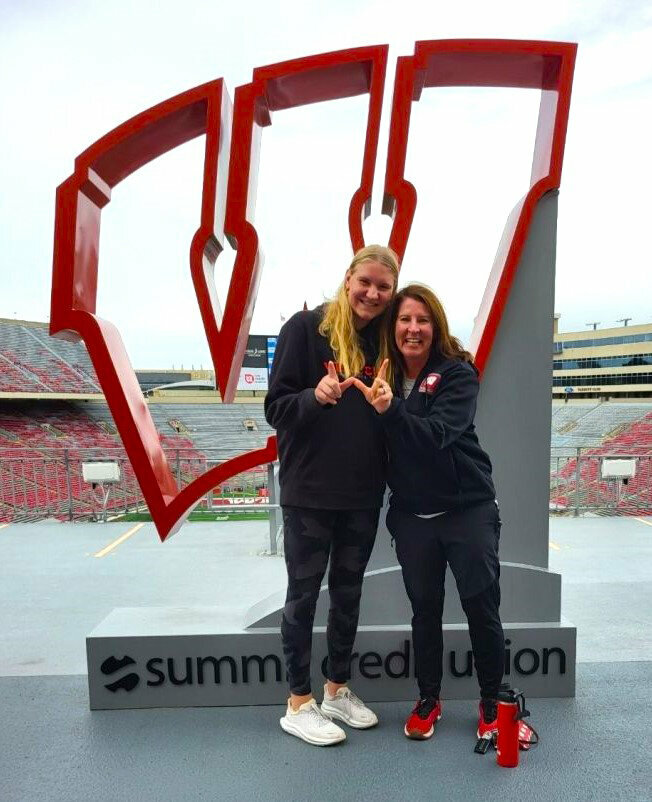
x=379, y=395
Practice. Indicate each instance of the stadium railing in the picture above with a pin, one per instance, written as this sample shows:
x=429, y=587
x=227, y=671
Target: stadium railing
x=35, y=485
x=577, y=486
x=49, y=483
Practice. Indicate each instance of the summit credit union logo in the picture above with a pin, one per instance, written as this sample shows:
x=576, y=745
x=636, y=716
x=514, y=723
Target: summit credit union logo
x=126, y=682
x=160, y=671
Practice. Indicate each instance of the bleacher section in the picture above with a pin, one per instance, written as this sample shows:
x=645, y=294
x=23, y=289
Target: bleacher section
x=44, y=442
x=41, y=443
x=42, y=447
x=33, y=362
x=16, y=380
x=588, y=425
x=216, y=431
x=630, y=433
x=216, y=428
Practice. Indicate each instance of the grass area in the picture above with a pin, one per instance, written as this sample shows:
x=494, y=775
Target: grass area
x=201, y=515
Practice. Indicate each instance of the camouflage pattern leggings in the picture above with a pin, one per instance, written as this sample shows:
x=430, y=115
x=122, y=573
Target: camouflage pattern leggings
x=310, y=537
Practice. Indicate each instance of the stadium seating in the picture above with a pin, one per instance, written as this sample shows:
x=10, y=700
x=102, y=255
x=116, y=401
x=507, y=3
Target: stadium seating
x=13, y=380
x=43, y=443
x=216, y=428
x=588, y=425
x=42, y=447
x=34, y=362
x=633, y=438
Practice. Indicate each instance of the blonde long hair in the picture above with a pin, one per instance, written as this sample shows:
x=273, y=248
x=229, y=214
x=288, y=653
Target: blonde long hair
x=337, y=324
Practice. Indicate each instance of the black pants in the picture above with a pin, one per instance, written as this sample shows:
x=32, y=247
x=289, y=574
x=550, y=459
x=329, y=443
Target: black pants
x=468, y=541
x=310, y=537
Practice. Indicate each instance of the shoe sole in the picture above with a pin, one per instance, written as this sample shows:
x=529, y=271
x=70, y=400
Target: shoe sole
x=333, y=713
x=298, y=733
x=420, y=736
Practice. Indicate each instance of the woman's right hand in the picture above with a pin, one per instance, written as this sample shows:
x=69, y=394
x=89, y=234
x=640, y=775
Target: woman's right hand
x=330, y=388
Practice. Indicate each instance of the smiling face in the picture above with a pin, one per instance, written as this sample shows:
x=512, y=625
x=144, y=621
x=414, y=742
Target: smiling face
x=413, y=333
x=369, y=289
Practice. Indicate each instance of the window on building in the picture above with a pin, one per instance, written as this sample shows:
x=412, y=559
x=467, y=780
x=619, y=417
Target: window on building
x=599, y=341
x=598, y=379
x=621, y=360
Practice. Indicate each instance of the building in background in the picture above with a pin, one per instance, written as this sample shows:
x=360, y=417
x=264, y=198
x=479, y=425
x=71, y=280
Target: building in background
x=605, y=364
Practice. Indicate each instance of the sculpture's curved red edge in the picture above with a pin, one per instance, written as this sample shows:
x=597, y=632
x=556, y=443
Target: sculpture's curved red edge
x=544, y=65
x=289, y=84
x=181, y=506
x=80, y=200
x=148, y=135
x=115, y=156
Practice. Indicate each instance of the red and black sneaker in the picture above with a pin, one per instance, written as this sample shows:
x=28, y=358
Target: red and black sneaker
x=487, y=718
x=527, y=736
x=421, y=722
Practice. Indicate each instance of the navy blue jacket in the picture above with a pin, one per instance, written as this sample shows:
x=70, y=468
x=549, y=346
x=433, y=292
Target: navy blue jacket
x=435, y=460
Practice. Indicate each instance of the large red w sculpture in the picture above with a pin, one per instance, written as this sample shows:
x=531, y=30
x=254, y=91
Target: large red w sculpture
x=229, y=187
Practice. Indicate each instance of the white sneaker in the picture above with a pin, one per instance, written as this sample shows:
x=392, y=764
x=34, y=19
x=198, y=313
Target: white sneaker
x=347, y=707
x=311, y=725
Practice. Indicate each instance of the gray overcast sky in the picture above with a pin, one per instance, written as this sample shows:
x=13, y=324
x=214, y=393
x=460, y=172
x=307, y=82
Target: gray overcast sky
x=72, y=70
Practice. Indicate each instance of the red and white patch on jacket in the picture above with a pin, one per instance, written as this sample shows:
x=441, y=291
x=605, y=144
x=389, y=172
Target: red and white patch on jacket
x=429, y=384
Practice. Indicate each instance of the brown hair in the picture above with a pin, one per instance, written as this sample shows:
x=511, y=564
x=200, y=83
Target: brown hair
x=443, y=342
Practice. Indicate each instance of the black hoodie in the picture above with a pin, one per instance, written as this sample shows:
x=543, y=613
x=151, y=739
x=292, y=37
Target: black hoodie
x=435, y=460
x=331, y=457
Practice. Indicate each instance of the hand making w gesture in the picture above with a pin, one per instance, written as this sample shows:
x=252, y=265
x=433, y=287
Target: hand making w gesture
x=330, y=388
x=379, y=395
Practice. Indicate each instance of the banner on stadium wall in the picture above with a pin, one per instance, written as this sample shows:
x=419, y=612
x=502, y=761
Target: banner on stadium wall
x=257, y=362
x=256, y=353
x=252, y=379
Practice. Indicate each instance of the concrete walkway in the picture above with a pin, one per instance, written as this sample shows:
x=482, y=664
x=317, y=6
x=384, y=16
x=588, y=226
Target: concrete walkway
x=53, y=591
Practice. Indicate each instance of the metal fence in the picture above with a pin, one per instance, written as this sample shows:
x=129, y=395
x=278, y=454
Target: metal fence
x=577, y=485
x=49, y=484
x=36, y=485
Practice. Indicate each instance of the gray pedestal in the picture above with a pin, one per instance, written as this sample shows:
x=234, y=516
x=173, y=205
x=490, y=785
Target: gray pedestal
x=178, y=657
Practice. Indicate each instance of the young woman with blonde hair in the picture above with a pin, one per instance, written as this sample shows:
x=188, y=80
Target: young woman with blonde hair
x=332, y=477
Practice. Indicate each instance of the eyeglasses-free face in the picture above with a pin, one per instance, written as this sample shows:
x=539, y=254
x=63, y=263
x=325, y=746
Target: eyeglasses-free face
x=413, y=331
x=369, y=290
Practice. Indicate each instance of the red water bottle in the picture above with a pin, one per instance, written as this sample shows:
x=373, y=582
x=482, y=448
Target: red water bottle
x=509, y=721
